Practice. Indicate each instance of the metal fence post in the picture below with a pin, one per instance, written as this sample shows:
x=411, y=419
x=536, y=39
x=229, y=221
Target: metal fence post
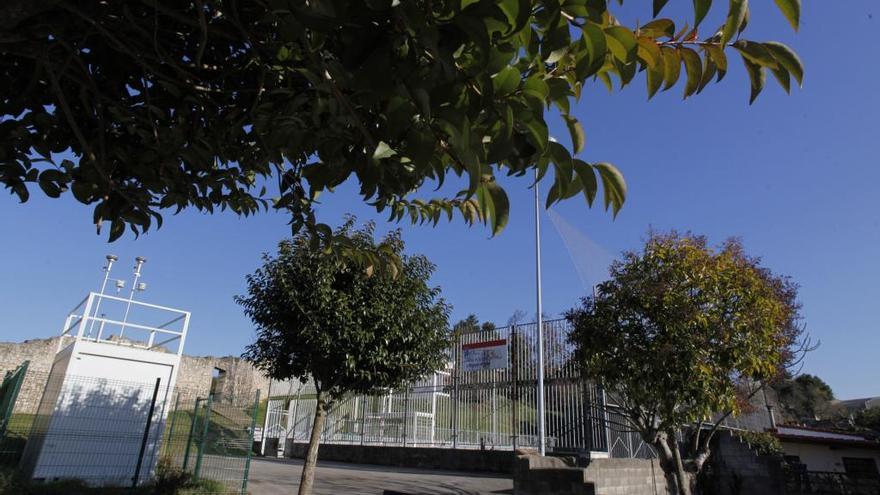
x=140, y=460
x=455, y=391
x=363, y=418
x=494, y=415
x=296, y=412
x=405, y=414
x=201, y=448
x=192, y=427
x=173, y=421
x=247, y=463
x=266, y=419
x=514, y=349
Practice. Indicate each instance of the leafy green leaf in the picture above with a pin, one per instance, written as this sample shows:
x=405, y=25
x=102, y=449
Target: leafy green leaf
x=658, y=6
x=756, y=53
x=594, y=38
x=671, y=67
x=693, y=66
x=757, y=77
x=649, y=53
x=383, y=151
x=613, y=185
x=735, y=18
x=576, y=130
x=536, y=87
x=791, y=9
x=658, y=28
x=621, y=42
x=717, y=55
x=501, y=212
x=701, y=8
x=783, y=77
x=506, y=81
x=787, y=58
x=587, y=176
x=655, y=79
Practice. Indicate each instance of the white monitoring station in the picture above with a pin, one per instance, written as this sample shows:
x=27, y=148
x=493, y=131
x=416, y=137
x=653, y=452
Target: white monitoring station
x=103, y=410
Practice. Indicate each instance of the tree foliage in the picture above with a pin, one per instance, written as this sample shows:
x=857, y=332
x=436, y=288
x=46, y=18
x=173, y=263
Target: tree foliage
x=147, y=106
x=676, y=332
x=804, y=398
x=868, y=418
x=472, y=324
x=322, y=318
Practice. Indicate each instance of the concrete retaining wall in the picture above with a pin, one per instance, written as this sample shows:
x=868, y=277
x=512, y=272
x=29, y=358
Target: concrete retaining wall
x=490, y=461
x=626, y=477
x=737, y=469
x=534, y=475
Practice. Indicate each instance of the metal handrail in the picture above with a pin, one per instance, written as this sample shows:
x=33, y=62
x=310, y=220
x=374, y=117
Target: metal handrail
x=134, y=325
x=139, y=303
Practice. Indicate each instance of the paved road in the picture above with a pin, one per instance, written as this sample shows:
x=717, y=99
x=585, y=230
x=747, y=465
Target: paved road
x=277, y=477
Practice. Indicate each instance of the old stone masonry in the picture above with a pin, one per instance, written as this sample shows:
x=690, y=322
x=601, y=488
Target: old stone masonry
x=228, y=376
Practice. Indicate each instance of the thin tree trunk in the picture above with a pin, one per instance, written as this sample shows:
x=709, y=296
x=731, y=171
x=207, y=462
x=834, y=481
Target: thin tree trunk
x=685, y=480
x=679, y=479
x=308, y=472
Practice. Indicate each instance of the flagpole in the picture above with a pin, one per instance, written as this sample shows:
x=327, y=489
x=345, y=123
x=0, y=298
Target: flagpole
x=541, y=442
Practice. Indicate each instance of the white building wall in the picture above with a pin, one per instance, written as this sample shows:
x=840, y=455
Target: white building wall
x=827, y=458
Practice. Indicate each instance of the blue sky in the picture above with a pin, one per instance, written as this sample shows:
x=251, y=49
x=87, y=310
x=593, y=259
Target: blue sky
x=796, y=177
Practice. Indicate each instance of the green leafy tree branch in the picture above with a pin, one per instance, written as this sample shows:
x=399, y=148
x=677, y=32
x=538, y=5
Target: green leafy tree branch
x=144, y=107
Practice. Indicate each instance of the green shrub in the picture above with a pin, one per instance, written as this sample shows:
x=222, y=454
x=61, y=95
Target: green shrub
x=763, y=443
x=169, y=481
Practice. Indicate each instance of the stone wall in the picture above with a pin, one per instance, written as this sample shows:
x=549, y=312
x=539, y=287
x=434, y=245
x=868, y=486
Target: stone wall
x=40, y=353
x=193, y=379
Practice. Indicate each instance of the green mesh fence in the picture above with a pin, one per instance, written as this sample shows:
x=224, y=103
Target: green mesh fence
x=13, y=427
x=203, y=444
x=212, y=438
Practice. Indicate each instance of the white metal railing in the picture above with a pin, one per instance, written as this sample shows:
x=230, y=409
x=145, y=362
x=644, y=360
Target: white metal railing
x=89, y=321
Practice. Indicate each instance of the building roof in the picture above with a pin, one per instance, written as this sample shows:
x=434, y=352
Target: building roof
x=806, y=434
x=858, y=404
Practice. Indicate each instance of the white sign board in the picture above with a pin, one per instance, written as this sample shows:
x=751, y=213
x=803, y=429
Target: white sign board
x=489, y=355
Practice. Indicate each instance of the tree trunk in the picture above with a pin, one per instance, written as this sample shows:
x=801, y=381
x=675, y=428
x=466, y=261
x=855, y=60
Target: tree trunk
x=680, y=481
x=308, y=472
x=686, y=480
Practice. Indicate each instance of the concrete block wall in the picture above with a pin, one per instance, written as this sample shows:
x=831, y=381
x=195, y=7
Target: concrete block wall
x=536, y=475
x=737, y=469
x=626, y=477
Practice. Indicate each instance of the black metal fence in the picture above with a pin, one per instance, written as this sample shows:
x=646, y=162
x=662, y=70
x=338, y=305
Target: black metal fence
x=462, y=406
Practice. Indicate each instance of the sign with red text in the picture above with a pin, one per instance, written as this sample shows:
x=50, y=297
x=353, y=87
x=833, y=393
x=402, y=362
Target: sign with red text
x=488, y=355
